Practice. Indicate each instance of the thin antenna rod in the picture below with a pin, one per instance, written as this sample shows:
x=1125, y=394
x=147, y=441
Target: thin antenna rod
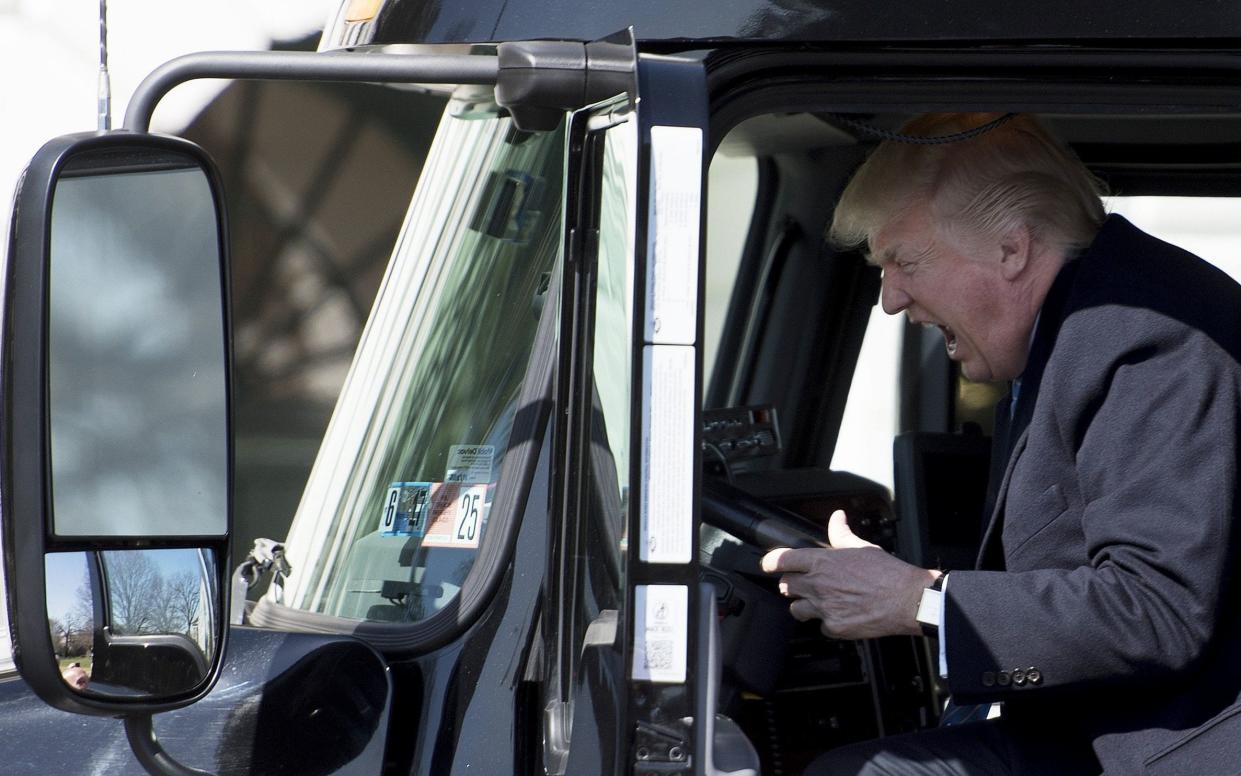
x=105, y=85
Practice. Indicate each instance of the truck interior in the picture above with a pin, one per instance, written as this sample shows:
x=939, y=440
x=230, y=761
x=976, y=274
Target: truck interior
x=815, y=401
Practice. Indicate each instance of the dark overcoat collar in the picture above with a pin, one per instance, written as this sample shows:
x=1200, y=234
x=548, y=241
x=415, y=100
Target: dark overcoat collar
x=1011, y=434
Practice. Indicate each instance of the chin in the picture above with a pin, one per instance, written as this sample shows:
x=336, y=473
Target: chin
x=978, y=375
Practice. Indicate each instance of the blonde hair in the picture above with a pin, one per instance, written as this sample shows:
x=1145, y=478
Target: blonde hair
x=1016, y=173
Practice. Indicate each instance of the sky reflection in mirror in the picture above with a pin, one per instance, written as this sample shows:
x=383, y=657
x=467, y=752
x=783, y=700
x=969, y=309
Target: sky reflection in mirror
x=136, y=368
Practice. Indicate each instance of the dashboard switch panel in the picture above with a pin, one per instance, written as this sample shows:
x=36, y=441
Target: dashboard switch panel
x=734, y=434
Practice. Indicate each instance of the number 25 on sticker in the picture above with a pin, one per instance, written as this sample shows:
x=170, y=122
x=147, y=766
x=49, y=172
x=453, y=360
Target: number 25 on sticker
x=469, y=513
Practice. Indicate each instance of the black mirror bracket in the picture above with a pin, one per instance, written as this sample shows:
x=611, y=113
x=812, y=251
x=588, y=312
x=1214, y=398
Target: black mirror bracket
x=303, y=66
x=140, y=731
x=539, y=80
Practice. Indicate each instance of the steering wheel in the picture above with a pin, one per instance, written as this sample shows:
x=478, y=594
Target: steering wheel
x=753, y=520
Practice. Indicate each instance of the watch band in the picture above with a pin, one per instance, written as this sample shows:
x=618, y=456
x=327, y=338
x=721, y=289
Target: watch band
x=930, y=605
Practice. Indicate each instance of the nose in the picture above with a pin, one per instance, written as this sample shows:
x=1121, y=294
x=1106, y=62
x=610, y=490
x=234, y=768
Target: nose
x=892, y=296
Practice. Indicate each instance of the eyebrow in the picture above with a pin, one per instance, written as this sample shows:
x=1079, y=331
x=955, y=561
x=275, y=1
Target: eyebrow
x=886, y=256
x=891, y=254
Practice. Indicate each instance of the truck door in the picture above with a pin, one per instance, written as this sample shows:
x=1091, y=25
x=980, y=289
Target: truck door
x=622, y=591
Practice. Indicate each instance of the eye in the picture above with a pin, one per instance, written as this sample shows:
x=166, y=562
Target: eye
x=905, y=266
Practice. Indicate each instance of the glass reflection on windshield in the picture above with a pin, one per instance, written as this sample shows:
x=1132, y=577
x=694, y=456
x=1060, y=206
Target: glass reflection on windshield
x=399, y=498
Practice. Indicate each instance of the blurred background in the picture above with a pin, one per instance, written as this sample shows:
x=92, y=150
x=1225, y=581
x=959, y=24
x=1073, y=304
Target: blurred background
x=317, y=177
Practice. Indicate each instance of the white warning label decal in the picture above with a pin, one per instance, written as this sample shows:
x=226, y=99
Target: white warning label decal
x=660, y=634
x=667, y=508
x=672, y=248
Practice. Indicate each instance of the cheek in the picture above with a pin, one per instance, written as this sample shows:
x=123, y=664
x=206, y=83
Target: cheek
x=981, y=311
x=997, y=352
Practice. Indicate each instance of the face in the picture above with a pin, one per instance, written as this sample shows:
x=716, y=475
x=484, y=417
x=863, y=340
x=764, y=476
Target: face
x=975, y=300
x=76, y=678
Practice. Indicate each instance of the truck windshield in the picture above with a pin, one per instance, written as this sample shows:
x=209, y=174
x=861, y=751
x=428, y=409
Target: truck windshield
x=398, y=500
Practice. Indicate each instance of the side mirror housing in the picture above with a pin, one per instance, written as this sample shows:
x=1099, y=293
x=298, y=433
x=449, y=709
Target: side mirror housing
x=116, y=480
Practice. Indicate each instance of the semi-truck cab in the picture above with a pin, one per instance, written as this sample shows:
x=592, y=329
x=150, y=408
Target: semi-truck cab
x=611, y=362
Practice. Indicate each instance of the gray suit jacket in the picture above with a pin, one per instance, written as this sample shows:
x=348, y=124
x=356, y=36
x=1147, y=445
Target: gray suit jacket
x=1106, y=605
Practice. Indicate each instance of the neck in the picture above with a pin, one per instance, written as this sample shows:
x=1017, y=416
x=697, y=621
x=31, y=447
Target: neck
x=1043, y=268
x=1030, y=296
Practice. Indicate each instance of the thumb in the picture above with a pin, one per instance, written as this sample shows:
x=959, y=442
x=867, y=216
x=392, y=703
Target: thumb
x=839, y=535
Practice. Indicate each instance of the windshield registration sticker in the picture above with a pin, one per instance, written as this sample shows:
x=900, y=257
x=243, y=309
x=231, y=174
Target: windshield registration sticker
x=442, y=514
x=457, y=514
x=470, y=464
x=405, y=509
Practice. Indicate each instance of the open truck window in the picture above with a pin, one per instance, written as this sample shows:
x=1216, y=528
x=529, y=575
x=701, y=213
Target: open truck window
x=849, y=383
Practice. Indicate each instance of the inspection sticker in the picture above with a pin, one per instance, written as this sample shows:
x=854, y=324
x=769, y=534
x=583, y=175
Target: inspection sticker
x=457, y=514
x=405, y=509
x=667, y=502
x=470, y=464
x=660, y=633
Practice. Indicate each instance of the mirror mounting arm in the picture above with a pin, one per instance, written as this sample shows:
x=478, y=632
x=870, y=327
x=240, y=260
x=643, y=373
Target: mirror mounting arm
x=140, y=731
x=304, y=66
x=537, y=81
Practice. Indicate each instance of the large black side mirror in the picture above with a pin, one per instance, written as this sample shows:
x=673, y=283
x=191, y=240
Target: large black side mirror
x=116, y=480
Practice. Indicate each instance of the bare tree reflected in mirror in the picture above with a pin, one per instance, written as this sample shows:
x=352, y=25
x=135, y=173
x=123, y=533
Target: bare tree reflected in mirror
x=136, y=594
x=184, y=596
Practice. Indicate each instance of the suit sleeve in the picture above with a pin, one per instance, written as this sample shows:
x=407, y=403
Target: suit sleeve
x=1156, y=470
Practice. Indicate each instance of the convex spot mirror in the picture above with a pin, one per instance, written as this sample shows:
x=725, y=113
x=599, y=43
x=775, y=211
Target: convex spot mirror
x=132, y=623
x=116, y=427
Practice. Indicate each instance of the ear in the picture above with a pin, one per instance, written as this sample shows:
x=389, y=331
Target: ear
x=1015, y=251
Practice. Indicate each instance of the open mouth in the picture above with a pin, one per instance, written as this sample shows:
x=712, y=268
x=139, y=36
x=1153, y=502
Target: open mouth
x=950, y=340
x=950, y=336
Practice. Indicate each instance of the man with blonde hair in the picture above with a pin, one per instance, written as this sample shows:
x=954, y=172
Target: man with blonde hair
x=1102, y=612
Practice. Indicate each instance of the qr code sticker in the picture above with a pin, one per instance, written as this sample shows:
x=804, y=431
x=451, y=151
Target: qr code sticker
x=658, y=655
x=660, y=633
